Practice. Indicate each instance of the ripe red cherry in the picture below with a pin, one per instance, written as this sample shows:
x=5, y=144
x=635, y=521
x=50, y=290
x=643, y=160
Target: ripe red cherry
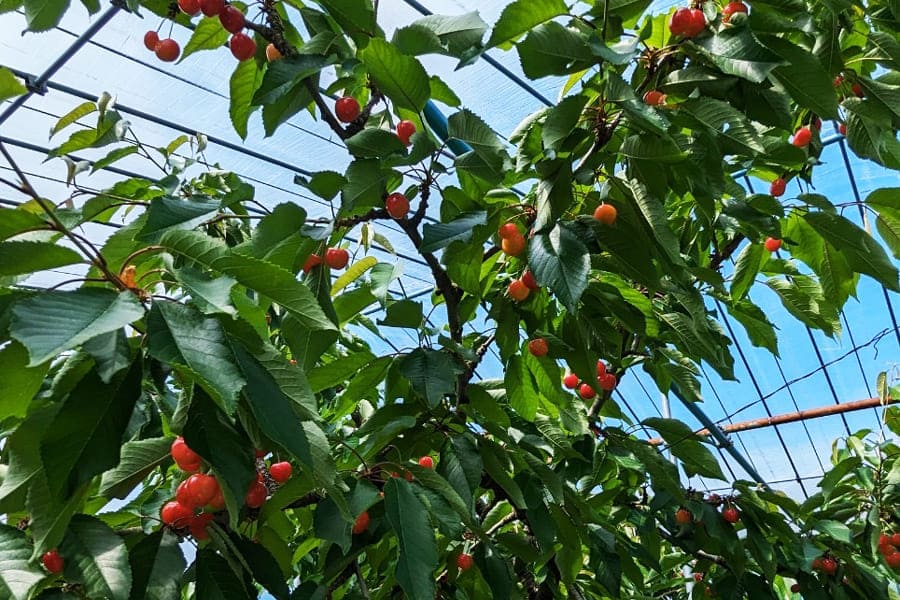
x=570, y=381
x=346, y=109
x=802, y=137
x=201, y=489
x=698, y=577
x=426, y=462
x=314, y=260
x=464, y=562
x=151, y=39
x=606, y=214
x=829, y=566
x=198, y=526
x=586, y=391
x=683, y=516
x=361, y=523
x=772, y=244
x=529, y=280
x=858, y=91
x=211, y=8
x=680, y=21
x=508, y=230
x=601, y=368
x=842, y=129
x=607, y=382
x=538, y=347
x=281, y=472
x=256, y=495
x=337, y=258
x=242, y=46
x=895, y=539
x=175, y=514
x=731, y=515
x=397, y=205
x=405, y=130
x=184, y=456
x=517, y=290
x=654, y=98
x=513, y=245
x=218, y=501
x=189, y=7
x=893, y=560
x=53, y=562
x=795, y=589
x=168, y=50
x=232, y=19
x=777, y=188
x=697, y=23
x=732, y=8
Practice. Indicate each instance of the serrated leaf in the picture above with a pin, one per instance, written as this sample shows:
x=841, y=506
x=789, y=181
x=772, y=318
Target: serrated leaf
x=745, y=270
x=23, y=257
x=20, y=383
x=156, y=565
x=522, y=16
x=441, y=235
x=552, y=49
x=560, y=261
x=244, y=82
x=373, y=142
x=216, y=580
x=737, y=52
x=72, y=116
x=520, y=392
x=97, y=558
x=138, y=459
x=170, y=213
x=17, y=575
x=401, y=78
x=432, y=374
x=409, y=519
x=43, y=15
x=112, y=157
x=804, y=77
x=53, y=322
x=208, y=35
x=16, y=220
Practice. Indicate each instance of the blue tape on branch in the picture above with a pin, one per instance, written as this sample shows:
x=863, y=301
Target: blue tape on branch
x=438, y=123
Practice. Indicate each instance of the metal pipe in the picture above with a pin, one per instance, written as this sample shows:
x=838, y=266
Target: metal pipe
x=38, y=84
x=800, y=415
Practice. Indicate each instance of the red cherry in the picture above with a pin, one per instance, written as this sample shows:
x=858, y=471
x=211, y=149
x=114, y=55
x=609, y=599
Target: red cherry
x=198, y=526
x=262, y=453
x=817, y=564
x=697, y=23
x=513, y=245
x=314, y=260
x=772, y=244
x=586, y=391
x=802, y=137
x=795, y=589
x=212, y=8
x=53, y=562
x=842, y=129
x=256, y=495
x=529, y=280
x=405, y=130
x=346, y=109
x=183, y=495
x=508, y=230
x=698, y=577
x=175, y=514
x=601, y=368
x=242, y=46
x=517, y=290
x=183, y=455
x=680, y=21
x=731, y=515
x=408, y=476
x=858, y=91
x=189, y=7
x=202, y=489
x=829, y=566
x=538, y=347
x=427, y=462
x=895, y=539
x=570, y=381
x=777, y=188
x=281, y=472
x=337, y=258
x=232, y=19
x=397, y=205
x=886, y=549
x=464, y=562
x=654, y=98
x=218, y=501
x=607, y=382
x=151, y=39
x=732, y=8
x=361, y=523
x=168, y=50
x=683, y=516
x=606, y=214
x=817, y=123
x=893, y=560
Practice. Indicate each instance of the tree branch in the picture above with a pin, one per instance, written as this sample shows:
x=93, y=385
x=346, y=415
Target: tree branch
x=720, y=256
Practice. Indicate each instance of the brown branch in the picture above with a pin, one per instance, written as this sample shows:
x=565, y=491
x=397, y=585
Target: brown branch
x=701, y=554
x=464, y=379
x=425, y=189
x=372, y=215
x=307, y=500
x=719, y=257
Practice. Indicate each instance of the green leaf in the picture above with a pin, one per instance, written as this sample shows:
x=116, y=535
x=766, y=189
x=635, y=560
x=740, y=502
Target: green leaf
x=111, y=353
x=16, y=220
x=864, y=254
x=804, y=77
x=432, y=374
x=283, y=78
x=54, y=322
x=441, y=92
x=23, y=257
x=324, y=184
x=562, y=119
x=886, y=202
x=723, y=120
x=403, y=313
x=737, y=52
x=156, y=565
x=210, y=295
x=244, y=82
x=277, y=417
x=113, y=157
x=273, y=282
x=522, y=16
x=337, y=372
x=418, y=559
x=262, y=565
x=459, y=33
x=216, y=579
x=554, y=196
x=441, y=235
x=695, y=457
x=170, y=213
x=552, y=49
x=17, y=576
x=10, y=85
x=138, y=459
x=364, y=187
x=20, y=383
x=560, y=261
x=802, y=296
x=208, y=35
x=43, y=15
x=84, y=439
x=745, y=270
x=835, y=529
x=180, y=335
x=401, y=78
x=354, y=272
x=355, y=16
x=520, y=392
x=488, y=155
x=373, y=142
x=97, y=558
x=759, y=329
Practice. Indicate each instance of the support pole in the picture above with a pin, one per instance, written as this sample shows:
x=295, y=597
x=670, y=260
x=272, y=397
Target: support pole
x=39, y=84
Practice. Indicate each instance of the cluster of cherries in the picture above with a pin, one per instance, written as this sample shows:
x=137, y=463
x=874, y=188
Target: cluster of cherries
x=889, y=548
x=825, y=564
x=347, y=110
x=606, y=381
x=512, y=242
x=730, y=513
x=242, y=46
x=199, y=497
